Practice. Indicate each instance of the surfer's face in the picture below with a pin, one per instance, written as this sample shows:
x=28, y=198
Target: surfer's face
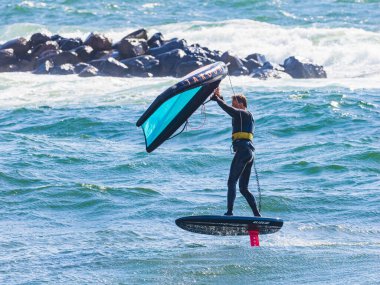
x=237, y=105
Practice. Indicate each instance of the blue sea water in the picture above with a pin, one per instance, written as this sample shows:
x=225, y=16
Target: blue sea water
x=81, y=202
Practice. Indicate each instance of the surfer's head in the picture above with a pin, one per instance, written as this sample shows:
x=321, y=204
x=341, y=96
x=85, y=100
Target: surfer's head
x=239, y=101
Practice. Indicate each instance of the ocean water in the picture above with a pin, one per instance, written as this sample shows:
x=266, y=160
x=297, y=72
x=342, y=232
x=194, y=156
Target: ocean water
x=81, y=202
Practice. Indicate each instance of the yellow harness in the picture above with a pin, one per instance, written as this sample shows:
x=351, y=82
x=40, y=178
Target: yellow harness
x=242, y=136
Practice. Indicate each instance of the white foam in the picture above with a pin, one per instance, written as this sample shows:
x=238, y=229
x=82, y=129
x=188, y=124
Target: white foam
x=29, y=90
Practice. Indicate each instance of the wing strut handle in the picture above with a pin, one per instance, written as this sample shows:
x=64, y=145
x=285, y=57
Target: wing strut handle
x=254, y=237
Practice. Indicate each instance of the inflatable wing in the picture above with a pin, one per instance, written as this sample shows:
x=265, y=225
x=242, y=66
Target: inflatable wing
x=175, y=105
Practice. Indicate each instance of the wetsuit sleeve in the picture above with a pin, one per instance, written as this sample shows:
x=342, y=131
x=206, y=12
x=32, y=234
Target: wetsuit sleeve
x=233, y=112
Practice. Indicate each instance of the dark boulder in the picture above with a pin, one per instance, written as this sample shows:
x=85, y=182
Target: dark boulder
x=197, y=50
x=235, y=65
x=98, y=42
x=110, y=67
x=135, y=66
x=39, y=50
x=69, y=44
x=20, y=46
x=298, y=69
x=167, y=47
x=141, y=34
x=85, y=53
x=89, y=71
x=7, y=56
x=37, y=39
x=26, y=65
x=64, y=69
x=156, y=40
x=62, y=58
x=169, y=61
x=195, y=57
x=56, y=38
x=251, y=64
x=9, y=68
x=104, y=54
x=44, y=67
x=260, y=58
x=132, y=47
x=47, y=55
x=269, y=70
x=142, y=66
x=254, y=61
x=215, y=55
x=80, y=66
x=264, y=74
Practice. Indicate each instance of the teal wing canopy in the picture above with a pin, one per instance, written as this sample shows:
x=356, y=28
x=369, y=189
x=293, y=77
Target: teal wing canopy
x=165, y=114
x=173, y=107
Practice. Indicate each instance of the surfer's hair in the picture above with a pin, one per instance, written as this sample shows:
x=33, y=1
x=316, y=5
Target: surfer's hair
x=240, y=98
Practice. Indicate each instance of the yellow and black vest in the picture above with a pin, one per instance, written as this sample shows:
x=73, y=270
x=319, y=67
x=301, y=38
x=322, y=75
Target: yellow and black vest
x=243, y=126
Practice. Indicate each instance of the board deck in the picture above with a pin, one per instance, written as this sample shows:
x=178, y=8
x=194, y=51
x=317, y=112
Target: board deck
x=229, y=225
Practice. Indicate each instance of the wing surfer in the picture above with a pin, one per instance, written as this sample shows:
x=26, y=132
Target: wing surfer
x=242, y=137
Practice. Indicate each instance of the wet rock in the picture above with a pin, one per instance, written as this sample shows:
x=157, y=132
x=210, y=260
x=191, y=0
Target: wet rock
x=69, y=44
x=156, y=40
x=64, y=69
x=56, y=38
x=169, y=61
x=216, y=55
x=89, y=71
x=151, y=64
x=9, y=68
x=141, y=34
x=44, y=67
x=85, y=53
x=80, y=66
x=26, y=65
x=46, y=55
x=297, y=69
x=251, y=64
x=20, y=46
x=39, y=50
x=7, y=57
x=62, y=57
x=142, y=66
x=37, y=39
x=258, y=57
x=98, y=42
x=111, y=67
x=104, y=54
x=235, y=65
x=132, y=47
x=262, y=73
x=195, y=57
x=197, y=50
x=167, y=47
x=254, y=61
x=269, y=70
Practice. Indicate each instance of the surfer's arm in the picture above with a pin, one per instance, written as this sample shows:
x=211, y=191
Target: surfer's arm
x=233, y=112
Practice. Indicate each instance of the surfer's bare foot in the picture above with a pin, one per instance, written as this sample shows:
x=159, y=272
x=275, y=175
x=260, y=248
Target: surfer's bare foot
x=257, y=215
x=228, y=214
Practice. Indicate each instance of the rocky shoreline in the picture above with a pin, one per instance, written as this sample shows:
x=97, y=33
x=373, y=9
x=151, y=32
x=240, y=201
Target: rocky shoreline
x=136, y=55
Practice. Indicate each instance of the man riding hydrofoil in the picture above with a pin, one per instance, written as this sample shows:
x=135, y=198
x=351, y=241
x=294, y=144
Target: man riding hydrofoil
x=242, y=137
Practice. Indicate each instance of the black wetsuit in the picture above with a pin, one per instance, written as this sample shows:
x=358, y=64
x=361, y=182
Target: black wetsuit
x=242, y=121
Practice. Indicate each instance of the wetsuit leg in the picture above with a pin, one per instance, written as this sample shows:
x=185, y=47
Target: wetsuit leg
x=243, y=186
x=237, y=166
